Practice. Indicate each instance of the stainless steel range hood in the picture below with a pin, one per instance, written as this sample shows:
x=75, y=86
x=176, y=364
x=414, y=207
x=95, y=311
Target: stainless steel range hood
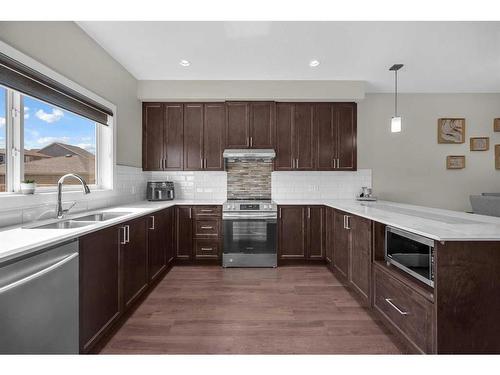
x=268, y=153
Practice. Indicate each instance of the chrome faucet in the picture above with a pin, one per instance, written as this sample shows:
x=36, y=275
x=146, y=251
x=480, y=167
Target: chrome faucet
x=86, y=190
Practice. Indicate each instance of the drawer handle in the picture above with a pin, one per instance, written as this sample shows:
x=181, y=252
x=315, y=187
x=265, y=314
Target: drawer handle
x=206, y=210
x=206, y=227
x=206, y=248
x=389, y=301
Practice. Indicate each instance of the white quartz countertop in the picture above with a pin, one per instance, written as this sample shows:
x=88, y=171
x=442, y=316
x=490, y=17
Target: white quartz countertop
x=438, y=224
x=21, y=240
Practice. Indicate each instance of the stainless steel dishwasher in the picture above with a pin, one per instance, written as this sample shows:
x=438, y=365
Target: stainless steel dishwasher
x=39, y=302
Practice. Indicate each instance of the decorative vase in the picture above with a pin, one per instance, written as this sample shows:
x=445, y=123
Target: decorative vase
x=28, y=188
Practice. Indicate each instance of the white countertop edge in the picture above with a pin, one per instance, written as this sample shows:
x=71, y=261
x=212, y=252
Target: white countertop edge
x=52, y=237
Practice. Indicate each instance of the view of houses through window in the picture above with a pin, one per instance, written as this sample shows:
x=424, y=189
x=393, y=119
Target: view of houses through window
x=55, y=142
x=3, y=135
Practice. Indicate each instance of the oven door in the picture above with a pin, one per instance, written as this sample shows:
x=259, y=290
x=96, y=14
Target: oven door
x=249, y=240
x=412, y=253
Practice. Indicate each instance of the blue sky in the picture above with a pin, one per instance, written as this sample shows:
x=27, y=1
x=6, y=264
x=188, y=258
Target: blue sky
x=44, y=124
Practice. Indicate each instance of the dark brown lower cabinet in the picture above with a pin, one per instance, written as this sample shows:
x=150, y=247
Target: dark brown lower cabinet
x=316, y=232
x=329, y=235
x=134, y=254
x=301, y=232
x=292, y=232
x=100, y=301
x=361, y=237
x=342, y=243
x=184, y=232
x=160, y=241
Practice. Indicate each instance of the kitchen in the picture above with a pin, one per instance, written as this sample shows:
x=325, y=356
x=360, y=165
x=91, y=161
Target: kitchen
x=183, y=205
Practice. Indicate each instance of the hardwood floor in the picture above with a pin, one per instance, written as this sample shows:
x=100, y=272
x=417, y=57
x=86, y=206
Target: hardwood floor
x=287, y=310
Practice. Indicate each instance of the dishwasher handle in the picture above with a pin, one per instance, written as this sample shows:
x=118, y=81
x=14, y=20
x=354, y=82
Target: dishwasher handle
x=38, y=274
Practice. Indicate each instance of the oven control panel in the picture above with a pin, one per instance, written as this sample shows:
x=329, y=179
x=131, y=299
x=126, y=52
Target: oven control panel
x=249, y=206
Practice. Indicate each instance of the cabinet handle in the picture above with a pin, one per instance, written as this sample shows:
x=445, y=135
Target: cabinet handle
x=124, y=233
x=344, y=223
x=338, y=163
x=190, y=212
x=206, y=227
x=389, y=301
x=347, y=221
x=251, y=141
x=280, y=213
x=152, y=223
x=205, y=163
x=206, y=248
x=128, y=233
x=308, y=212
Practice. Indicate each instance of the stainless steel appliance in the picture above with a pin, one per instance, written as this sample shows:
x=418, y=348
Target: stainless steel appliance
x=249, y=234
x=39, y=302
x=160, y=191
x=411, y=253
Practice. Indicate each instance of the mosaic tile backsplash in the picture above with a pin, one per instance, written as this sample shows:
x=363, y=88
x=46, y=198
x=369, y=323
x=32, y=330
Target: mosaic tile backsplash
x=249, y=179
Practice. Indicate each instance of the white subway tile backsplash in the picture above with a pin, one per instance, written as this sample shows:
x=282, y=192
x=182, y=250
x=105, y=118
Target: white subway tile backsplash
x=317, y=185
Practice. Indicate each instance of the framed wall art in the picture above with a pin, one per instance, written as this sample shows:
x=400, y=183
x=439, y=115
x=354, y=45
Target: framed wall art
x=496, y=125
x=497, y=156
x=455, y=162
x=479, y=143
x=451, y=130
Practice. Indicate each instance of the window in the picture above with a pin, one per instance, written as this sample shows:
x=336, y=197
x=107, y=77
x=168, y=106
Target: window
x=42, y=142
x=57, y=142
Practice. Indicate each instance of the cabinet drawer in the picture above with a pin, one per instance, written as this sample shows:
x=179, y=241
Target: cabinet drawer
x=205, y=211
x=207, y=248
x=206, y=227
x=407, y=310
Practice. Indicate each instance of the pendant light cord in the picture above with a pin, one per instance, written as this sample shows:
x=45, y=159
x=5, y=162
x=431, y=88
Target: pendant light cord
x=396, y=93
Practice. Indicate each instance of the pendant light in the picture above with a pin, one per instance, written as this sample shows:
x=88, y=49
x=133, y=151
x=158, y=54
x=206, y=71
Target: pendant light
x=396, y=120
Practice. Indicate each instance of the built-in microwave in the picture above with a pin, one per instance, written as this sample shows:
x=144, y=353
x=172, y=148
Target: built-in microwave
x=411, y=253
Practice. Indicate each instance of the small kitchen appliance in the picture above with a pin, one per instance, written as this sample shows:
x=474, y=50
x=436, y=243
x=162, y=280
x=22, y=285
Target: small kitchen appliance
x=160, y=191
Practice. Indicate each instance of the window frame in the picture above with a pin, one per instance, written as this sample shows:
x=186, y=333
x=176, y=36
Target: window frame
x=14, y=142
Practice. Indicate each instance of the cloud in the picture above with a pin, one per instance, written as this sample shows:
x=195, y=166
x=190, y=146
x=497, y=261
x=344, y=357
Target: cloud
x=2, y=121
x=56, y=115
x=44, y=141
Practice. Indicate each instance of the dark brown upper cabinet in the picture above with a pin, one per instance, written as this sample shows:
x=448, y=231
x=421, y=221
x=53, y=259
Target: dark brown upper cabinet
x=335, y=125
x=294, y=136
x=162, y=136
x=250, y=125
x=153, y=130
x=203, y=136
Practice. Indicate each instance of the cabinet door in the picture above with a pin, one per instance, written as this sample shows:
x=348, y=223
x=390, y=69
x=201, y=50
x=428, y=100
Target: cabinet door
x=184, y=232
x=193, y=137
x=262, y=124
x=329, y=240
x=100, y=303
x=326, y=136
x=342, y=243
x=284, y=140
x=237, y=125
x=346, y=143
x=135, y=260
x=213, y=136
x=292, y=232
x=316, y=232
x=303, y=135
x=361, y=238
x=158, y=237
x=174, y=138
x=152, y=137
x=170, y=229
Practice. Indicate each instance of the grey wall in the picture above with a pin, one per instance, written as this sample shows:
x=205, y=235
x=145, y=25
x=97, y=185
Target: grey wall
x=411, y=166
x=67, y=49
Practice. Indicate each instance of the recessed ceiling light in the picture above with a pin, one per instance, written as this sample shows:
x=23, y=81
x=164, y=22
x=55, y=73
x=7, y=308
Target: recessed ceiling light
x=184, y=63
x=313, y=63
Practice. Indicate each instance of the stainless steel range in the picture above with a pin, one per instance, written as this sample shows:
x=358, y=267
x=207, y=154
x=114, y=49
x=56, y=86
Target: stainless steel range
x=249, y=233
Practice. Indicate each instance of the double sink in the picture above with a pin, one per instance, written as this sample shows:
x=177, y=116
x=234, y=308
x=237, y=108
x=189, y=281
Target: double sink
x=82, y=221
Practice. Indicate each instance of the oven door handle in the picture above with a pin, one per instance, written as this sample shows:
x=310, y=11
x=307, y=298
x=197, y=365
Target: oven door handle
x=248, y=217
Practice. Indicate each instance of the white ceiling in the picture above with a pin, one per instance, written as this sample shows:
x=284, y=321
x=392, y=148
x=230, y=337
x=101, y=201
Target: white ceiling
x=438, y=56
